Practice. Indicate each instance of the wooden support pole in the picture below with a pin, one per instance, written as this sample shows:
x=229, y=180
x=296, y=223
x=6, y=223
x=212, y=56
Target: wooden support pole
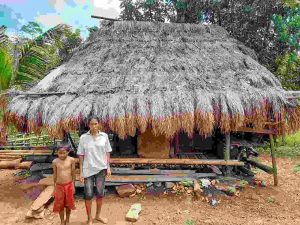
x=227, y=147
x=104, y=18
x=273, y=160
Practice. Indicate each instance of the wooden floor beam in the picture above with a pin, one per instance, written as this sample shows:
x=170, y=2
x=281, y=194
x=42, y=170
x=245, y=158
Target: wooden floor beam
x=215, y=162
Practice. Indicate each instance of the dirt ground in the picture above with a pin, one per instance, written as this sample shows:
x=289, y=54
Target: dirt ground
x=259, y=205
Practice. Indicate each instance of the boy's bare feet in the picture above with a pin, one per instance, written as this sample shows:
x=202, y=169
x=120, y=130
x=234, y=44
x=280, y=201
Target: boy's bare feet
x=67, y=223
x=90, y=222
x=101, y=219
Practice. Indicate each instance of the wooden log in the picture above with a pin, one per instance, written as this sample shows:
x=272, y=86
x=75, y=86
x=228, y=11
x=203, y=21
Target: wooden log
x=104, y=18
x=215, y=162
x=121, y=171
x=274, y=164
x=25, y=151
x=43, y=198
x=9, y=157
x=13, y=164
x=25, y=165
x=263, y=167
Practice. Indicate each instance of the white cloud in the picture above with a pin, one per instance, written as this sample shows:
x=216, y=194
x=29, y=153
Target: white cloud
x=58, y=4
x=110, y=12
x=80, y=1
x=49, y=20
x=108, y=4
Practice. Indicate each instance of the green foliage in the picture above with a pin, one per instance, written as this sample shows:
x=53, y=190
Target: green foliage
x=34, y=63
x=249, y=22
x=92, y=29
x=248, y=9
x=187, y=183
x=287, y=147
x=292, y=3
x=181, y=5
x=189, y=222
x=270, y=199
x=288, y=30
x=288, y=70
x=293, y=140
x=148, y=3
x=297, y=168
x=3, y=37
x=6, y=68
x=32, y=28
x=72, y=37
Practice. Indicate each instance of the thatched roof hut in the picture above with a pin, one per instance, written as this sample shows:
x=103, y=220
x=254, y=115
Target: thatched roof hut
x=169, y=77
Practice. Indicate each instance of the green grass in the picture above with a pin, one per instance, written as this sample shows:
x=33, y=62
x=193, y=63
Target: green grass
x=297, y=168
x=283, y=151
x=270, y=199
x=190, y=222
x=287, y=148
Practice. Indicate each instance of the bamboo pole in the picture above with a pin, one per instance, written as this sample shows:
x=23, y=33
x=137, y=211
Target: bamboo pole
x=274, y=164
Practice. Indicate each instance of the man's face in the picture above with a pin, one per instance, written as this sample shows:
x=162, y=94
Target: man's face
x=94, y=125
x=62, y=154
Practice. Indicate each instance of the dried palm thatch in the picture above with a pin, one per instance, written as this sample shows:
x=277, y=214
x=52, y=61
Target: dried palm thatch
x=170, y=77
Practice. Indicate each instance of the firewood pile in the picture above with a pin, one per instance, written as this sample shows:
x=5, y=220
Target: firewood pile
x=14, y=159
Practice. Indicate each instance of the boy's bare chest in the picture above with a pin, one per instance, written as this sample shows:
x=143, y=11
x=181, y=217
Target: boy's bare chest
x=62, y=165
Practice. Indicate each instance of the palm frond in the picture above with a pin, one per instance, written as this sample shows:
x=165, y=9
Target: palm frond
x=35, y=62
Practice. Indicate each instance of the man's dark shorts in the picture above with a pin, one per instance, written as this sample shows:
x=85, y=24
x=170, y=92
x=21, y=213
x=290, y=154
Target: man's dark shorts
x=89, y=182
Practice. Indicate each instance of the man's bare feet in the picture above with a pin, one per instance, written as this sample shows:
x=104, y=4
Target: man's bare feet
x=90, y=222
x=67, y=223
x=101, y=219
x=62, y=223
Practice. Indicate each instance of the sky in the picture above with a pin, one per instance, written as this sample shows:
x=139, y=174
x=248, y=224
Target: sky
x=77, y=13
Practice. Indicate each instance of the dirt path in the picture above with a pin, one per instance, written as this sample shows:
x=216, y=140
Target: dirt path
x=270, y=205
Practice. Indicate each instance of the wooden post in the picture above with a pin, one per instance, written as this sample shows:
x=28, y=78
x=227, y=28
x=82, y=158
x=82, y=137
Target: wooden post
x=273, y=160
x=227, y=153
x=227, y=147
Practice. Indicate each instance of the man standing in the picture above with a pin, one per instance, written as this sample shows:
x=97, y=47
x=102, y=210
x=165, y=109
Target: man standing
x=94, y=153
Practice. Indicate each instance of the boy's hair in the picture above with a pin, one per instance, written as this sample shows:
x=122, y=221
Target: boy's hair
x=64, y=147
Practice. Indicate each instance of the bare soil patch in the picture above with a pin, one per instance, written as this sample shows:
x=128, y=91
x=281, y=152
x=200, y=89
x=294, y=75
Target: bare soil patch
x=258, y=205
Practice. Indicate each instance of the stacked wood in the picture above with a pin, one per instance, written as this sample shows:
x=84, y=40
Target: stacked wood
x=11, y=164
x=37, y=208
x=25, y=165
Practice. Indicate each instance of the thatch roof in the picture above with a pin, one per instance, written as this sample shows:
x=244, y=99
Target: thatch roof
x=167, y=76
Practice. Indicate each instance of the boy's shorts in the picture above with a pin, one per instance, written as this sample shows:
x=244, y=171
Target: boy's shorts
x=64, y=197
x=99, y=180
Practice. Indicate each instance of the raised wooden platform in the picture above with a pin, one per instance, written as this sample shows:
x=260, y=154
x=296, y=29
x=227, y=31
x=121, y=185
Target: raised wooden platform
x=214, y=162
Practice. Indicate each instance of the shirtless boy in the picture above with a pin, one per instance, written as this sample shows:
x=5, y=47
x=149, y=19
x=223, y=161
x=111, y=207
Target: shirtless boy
x=64, y=178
